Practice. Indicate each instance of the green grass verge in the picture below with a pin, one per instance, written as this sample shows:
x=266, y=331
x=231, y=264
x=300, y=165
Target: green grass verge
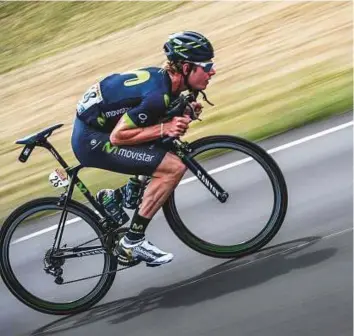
x=254, y=109
x=305, y=104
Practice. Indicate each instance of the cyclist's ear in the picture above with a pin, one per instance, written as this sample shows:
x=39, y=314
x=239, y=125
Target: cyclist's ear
x=186, y=68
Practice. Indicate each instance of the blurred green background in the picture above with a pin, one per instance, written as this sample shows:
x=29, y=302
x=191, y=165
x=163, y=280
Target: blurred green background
x=279, y=65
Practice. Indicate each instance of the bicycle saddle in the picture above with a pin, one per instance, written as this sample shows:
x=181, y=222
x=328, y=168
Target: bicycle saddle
x=38, y=137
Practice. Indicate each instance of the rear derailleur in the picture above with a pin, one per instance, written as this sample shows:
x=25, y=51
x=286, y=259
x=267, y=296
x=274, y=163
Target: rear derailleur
x=52, y=265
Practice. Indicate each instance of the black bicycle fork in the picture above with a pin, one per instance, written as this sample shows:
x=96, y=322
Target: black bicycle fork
x=181, y=149
x=203, y=176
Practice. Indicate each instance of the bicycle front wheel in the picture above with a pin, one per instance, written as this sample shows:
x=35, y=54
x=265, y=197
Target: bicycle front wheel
x=26, y=243
x=254, y=211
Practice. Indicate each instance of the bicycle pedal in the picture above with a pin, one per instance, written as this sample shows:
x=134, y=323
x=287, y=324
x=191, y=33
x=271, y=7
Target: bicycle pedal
x=127, y=263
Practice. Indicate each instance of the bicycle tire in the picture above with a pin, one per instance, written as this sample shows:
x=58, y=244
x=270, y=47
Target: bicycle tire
x=272, y=226
x=16, y=288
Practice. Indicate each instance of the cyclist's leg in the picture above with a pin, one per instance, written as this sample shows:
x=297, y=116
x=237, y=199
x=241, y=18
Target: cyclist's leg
x=165, y=178
x=93, y=149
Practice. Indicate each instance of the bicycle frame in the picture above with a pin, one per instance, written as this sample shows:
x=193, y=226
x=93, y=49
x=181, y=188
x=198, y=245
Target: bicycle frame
x=181, y=149
x=65, y=197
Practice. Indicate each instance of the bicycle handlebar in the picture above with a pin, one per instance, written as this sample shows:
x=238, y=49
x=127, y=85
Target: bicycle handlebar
x=177, y=109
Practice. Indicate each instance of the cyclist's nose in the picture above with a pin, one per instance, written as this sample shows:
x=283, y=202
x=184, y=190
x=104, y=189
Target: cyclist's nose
x=212, y=72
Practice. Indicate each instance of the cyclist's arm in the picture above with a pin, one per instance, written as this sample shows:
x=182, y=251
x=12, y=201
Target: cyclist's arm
x=124, y=134
x=139, y=124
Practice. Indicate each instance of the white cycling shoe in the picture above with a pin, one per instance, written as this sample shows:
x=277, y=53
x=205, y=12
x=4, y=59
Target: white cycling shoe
x=135, y=251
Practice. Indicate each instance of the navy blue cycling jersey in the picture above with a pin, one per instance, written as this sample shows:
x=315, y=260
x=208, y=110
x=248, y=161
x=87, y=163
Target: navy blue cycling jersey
x=141, y=97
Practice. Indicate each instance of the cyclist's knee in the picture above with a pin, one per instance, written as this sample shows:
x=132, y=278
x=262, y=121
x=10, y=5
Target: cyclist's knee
x=179, y=168
x=171, y=167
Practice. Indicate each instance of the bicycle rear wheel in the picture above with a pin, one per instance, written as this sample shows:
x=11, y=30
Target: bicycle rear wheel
x=26, y=241
x=254, y=211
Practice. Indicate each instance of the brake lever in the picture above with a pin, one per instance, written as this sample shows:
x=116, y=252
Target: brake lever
x=193, y=115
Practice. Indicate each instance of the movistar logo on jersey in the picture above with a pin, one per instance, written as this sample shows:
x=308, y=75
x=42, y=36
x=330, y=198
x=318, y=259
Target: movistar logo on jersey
x=119, y=112
x=109, y=148
x=127, y=153
x=135, y=156
x=101, y=119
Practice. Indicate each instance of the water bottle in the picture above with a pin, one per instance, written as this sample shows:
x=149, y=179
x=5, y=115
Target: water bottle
x=112, y=202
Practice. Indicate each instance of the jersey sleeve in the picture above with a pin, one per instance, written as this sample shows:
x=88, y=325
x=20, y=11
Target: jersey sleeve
x=148, y=112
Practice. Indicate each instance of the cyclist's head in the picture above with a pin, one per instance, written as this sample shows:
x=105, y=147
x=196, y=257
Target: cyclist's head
x=188, y=46
x=187, y=51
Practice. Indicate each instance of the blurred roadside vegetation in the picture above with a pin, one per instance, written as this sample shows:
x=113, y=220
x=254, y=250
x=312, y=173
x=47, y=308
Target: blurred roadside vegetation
x=279, y=65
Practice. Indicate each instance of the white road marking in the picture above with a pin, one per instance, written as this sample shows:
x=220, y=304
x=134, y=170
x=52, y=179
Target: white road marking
x=50, y=228
x=216, y=170
x=274, y=150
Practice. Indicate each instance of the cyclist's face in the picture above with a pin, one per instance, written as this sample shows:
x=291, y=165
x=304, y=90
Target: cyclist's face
x=200, y=76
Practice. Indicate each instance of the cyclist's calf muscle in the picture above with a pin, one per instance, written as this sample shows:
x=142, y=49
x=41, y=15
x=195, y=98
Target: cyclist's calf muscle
x=166, y=178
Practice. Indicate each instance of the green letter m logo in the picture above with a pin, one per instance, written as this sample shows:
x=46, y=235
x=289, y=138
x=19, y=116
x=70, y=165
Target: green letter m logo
x=109, y=148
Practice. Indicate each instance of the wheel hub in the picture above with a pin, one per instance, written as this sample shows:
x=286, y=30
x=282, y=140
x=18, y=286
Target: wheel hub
x=53, y=262
x=52, y=265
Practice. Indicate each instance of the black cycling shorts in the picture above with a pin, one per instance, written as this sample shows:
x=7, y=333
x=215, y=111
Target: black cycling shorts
x=93, y=149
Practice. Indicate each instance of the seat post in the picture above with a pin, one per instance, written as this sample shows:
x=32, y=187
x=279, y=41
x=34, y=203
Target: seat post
x=46, y=144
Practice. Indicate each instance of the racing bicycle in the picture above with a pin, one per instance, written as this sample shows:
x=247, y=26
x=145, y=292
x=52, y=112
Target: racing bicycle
x=57, y=231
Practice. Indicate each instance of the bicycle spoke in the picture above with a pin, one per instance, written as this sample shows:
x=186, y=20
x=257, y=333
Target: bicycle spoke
x=25, y=259
x=254, y=210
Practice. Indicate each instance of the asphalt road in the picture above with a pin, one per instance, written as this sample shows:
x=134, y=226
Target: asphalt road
x=301, y=284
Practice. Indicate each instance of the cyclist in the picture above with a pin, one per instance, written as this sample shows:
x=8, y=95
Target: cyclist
x=118, y=126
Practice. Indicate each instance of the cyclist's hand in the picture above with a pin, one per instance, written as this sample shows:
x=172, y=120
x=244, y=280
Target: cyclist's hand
x=197, y=109
x=177, y=126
